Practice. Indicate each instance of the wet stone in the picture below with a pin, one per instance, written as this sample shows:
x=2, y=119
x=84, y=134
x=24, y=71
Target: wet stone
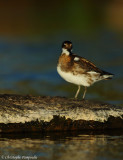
x=44, y=113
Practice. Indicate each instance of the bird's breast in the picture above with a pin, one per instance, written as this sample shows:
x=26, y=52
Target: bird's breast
x=65, y=63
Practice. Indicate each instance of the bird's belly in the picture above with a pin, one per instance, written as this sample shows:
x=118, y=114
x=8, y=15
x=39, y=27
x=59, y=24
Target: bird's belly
x=78, y=79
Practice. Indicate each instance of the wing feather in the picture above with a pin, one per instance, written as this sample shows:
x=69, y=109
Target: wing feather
x=85, y=64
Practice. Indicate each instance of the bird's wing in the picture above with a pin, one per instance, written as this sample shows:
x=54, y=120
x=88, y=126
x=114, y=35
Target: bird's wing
x=82, y=65
x=86, y=65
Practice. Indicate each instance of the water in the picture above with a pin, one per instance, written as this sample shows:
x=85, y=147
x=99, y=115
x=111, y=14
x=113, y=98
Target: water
x=29, y=67
x=63, y=146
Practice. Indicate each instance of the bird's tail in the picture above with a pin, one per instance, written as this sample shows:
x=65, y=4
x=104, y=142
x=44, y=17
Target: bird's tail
x=106, y=75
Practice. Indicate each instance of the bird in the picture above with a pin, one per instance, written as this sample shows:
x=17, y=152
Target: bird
x=78, y=70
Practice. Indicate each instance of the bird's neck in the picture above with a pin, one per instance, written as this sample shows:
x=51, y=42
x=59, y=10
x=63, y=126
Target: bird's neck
x=65, y=51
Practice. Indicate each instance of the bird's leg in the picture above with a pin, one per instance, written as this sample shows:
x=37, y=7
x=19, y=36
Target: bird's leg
x=84, y=92
x=76, y=95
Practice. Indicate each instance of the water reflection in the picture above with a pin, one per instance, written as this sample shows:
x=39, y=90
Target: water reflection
x=64, y=146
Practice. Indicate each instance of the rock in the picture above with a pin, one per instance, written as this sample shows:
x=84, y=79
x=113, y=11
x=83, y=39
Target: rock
x=44, y=113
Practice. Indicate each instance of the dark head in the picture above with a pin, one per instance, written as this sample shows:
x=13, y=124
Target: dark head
x=67, y=45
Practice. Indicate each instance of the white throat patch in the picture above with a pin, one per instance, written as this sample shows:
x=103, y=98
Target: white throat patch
x=64, y=51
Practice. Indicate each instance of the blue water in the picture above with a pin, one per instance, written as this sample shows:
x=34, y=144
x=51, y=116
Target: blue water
x=29, y=67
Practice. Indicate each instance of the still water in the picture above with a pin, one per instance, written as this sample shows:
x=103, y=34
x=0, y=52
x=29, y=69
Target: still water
x=62, y=146
x=29, y=67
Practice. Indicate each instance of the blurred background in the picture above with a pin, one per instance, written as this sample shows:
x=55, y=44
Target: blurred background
x=31, y=34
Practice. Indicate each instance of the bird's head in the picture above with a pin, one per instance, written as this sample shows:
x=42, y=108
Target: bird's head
x=67, y=45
